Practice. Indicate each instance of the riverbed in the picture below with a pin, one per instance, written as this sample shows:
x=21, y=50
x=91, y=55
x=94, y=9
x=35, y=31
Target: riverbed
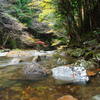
x=12, y=88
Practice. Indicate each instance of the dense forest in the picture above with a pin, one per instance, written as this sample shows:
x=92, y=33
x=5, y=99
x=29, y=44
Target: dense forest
x=66, y=21
x=44, y=41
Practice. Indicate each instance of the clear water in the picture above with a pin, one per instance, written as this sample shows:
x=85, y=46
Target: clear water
x=13, y=87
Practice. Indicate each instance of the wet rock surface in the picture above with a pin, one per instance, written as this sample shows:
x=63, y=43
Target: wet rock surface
x=34, y=71
x=29, y=53
x=75, y=52
x=70, y=74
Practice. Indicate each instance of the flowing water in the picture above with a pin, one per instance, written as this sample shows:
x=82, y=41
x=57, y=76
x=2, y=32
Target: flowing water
x=14, y=88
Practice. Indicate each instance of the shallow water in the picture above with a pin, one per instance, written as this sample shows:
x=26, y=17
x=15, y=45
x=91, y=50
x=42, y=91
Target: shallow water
x=14, y=88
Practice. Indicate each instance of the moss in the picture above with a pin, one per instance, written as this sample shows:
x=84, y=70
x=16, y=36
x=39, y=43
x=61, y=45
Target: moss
x=86, y=64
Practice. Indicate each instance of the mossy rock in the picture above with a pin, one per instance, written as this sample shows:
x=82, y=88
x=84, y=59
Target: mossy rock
x=62, y=58
x=85, y=64
x=78, y=52
x=96, y=56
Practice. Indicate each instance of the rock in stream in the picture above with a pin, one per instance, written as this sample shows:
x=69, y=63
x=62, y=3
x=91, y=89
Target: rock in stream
x=96, y=97
x=70, y=74
x=34, y=71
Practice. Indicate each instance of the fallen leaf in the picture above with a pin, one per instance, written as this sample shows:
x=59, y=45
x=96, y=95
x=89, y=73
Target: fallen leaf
x=91, y=73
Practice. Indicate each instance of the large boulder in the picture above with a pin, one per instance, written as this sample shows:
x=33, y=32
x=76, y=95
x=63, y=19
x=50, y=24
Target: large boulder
x=70, y=74
x=34, y=71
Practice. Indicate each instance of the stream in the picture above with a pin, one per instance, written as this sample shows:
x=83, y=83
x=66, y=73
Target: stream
x=12, y=87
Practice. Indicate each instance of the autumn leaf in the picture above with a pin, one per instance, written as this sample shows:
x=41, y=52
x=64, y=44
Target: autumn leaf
x=91, y=73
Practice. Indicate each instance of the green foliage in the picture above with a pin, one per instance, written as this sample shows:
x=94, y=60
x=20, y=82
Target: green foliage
x=68, y=19
x=50, y=15
x=22, y=11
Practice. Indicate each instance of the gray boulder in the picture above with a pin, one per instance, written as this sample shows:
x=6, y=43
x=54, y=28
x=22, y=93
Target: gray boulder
x=34, y=71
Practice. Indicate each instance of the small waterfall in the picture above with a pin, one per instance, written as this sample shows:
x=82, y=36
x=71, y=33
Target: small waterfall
x=3, y=54
x=14, y=61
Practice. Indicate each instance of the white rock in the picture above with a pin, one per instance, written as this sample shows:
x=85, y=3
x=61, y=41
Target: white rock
x=70, y=74
x=96, y=97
